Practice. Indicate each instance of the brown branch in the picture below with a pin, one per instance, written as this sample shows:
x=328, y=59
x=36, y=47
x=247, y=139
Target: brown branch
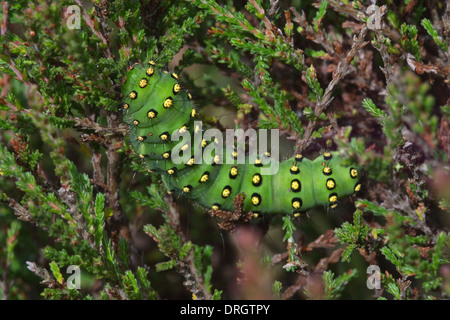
x=326, y=240
x=121, y=26
x=343, y=69
x=90, y=23
x=118, y=224
x=187, y=268
x=309, y=33
x=30, y=86
x=12, y=106
x=349, y=11
x=388, y=69
x=269, y=25
x=97, y=174
x=21, y=212
x=87, y=123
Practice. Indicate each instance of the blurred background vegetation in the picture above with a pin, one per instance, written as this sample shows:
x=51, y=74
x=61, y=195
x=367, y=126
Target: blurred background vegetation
x=369, y=81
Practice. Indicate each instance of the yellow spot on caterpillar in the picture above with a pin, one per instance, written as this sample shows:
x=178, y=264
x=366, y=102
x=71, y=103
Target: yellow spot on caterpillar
x=141, y=156
x=333, y=198
x=170, y=171
x=216, y=158
x=333, y=206
x=175, y=75
x=151, y=114
x=353, y=172
x=193, y=113
x=166, y=155
x=234, y=171
x=185, y=147
x=197, y=128
x=298, y=156
x=133, y=95
x=150, y=71
x=141, y=138
x=126, y=106
x=163, y=136
x=190, y=162
x=143, y=83
x=234, y=154
x=189, y=96
x=297, y=214
x=215, y=207
x=296, y=204
x=258, y=162
x=295, y=185
x=176, y=88
x=204, y=177
x=294, y=169
x=255, y=215
x=187, y=189
x=327, y=171
x=216, y=141
x=182, y=129
x=168, y=103
x=331, y=184
x=135, y=122
x=256, y=199
x=203, y=143
x=256, y=179
x=226, y=192
x=327, y=156
x=358, y=187
x=267, y=154
x=151, y=62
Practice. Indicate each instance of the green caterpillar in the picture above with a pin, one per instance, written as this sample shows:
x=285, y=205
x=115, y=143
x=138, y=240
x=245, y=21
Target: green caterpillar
x=156, y=108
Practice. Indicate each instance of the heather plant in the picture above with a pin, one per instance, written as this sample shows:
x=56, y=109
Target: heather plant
x=81, y=217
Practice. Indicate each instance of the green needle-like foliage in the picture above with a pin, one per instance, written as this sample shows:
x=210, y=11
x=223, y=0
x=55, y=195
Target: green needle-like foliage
x=77, y=206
